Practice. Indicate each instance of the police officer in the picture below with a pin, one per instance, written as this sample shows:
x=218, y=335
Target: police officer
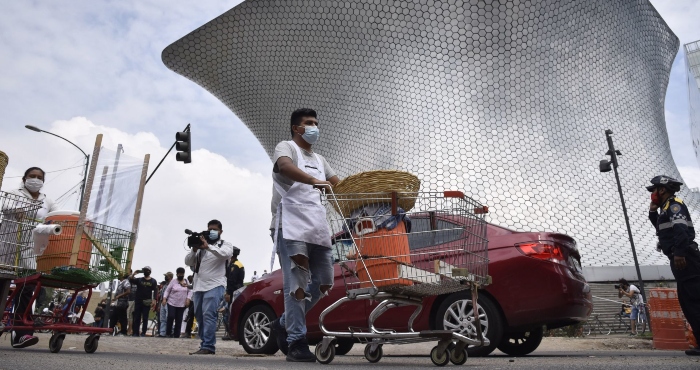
x=676, y=233
x=235, y=274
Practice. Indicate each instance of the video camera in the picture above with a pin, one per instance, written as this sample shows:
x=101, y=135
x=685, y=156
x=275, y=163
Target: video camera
x=617, y=286
x=193, y=240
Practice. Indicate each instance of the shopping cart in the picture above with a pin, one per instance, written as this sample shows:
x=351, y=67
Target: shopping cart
x=80, y=258
x=399, y=248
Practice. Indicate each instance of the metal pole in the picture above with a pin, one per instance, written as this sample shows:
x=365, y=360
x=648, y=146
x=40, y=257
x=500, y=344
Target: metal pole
x=613, y=155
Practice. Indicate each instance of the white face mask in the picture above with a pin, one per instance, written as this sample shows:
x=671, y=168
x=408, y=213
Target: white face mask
x=33, y=185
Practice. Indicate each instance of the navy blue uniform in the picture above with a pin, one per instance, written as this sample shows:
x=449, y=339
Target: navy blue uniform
x=676, y=233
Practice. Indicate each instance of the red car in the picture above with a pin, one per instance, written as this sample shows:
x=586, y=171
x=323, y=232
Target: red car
x=537, y=281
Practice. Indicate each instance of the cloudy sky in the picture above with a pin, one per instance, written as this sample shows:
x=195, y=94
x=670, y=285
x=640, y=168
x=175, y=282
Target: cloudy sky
x=82, y=67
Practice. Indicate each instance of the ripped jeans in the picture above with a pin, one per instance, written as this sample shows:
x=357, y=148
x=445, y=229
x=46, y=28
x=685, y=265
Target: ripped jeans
x=320, y=273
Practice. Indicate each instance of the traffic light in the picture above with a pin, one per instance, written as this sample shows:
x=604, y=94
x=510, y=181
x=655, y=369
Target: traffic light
x=183, y=145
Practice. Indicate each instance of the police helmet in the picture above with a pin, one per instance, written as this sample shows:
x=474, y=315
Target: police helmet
x=666, y=181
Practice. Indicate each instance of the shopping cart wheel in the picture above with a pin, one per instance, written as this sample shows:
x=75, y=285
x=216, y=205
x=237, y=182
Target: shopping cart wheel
x=327, y=356
x=373, y=356
x=56, y=342
x=458, y=358
x=91, y=343
x=440, y=359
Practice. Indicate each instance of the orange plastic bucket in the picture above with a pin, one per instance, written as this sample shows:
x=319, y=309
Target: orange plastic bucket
x=667, y=320
x=392, y=244
x=58, y=252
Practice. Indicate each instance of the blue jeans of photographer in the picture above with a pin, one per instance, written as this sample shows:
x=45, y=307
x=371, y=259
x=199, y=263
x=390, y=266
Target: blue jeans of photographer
x=321, y=271
x=205, y=311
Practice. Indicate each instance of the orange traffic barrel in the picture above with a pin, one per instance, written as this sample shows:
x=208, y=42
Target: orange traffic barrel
x=58, y=252
x=667, y=320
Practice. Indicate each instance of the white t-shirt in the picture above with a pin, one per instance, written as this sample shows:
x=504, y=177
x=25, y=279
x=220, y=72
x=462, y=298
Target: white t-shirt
x=212, y=268
x=636, y=297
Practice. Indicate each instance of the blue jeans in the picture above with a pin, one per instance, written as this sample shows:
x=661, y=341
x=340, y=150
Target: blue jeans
x=320, y=273
x=163, y=318
x=205, y=305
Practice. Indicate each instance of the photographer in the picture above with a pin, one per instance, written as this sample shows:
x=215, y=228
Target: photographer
x=208, y=258
x=145, y=299
x=632, y=292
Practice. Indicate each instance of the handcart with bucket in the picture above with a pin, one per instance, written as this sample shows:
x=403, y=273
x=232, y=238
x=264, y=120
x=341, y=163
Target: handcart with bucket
x=100, y=254
x=373, y=234
x=69, y=250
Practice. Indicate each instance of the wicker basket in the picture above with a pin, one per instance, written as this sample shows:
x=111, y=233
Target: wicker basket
x=3, y=164
x=375, y=187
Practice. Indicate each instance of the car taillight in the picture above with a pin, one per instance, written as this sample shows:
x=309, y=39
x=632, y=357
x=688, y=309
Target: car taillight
x=544, y=251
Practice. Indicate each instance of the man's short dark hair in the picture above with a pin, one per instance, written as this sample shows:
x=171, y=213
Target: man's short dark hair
x=623, y=282
x=297, y=115
x=217, y=223
x=180, y=270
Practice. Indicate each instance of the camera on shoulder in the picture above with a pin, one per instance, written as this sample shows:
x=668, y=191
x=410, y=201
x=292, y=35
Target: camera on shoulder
x=194, y=241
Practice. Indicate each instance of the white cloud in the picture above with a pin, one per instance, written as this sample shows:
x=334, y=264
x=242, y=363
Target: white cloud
x=179, y=196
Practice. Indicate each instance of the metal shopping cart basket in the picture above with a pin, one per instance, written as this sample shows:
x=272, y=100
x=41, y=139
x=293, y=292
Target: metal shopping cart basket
x=397, y=248
x=82, y=256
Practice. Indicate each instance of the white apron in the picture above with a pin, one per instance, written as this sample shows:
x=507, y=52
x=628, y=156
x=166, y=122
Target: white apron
x=303, y=215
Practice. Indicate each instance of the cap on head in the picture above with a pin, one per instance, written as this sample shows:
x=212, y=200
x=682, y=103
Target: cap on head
x=147, y=268
x=236, y=251
x=666, y=181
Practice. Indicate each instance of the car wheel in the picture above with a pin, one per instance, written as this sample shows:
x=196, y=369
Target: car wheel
x=343, y=346
x=521, y=343
x=455, y=313
x=255, y=331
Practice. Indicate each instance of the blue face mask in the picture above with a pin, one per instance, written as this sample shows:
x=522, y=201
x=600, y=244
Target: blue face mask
x=310, y=134
x=213, y=235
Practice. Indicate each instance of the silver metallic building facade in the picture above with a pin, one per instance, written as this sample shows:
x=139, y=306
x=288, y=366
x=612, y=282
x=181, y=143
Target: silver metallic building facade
x=506, y=100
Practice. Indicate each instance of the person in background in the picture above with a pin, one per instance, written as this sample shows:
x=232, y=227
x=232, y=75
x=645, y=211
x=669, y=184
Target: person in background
x=146, y=294
x=254, y=277
x=122, y=304
x=189, y=312
x=130, y=308
x=100, y=313
x=235, y=277
x=176, y=296
x=264, y=273
x=30, y=188
x=164, y=307
x=632, y=292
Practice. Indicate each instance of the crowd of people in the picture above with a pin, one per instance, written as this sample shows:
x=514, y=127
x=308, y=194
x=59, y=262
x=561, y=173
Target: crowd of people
x=138, y=294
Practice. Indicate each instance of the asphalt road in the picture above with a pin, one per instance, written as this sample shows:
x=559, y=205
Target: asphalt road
x=153, y=353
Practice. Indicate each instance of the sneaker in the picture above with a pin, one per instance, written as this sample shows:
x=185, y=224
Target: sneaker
x=281, y=335
x=24, y=341
x=203, y=352
x=693, y=352
x=299, y=352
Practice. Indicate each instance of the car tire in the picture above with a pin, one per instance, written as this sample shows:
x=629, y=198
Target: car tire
x=521, y=343
x=255, y=326
x=343, y=346
x=492, y=324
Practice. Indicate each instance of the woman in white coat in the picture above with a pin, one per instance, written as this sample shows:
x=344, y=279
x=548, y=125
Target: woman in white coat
x=32, y=182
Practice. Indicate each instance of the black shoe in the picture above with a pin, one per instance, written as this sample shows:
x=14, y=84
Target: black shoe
x=281, y=335
x=693, y=352
x=203, y=352
x=299, y=352
x=23, y=341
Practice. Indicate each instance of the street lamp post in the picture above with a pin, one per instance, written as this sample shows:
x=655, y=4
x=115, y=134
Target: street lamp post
x=605, y=166
x=87, y=158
